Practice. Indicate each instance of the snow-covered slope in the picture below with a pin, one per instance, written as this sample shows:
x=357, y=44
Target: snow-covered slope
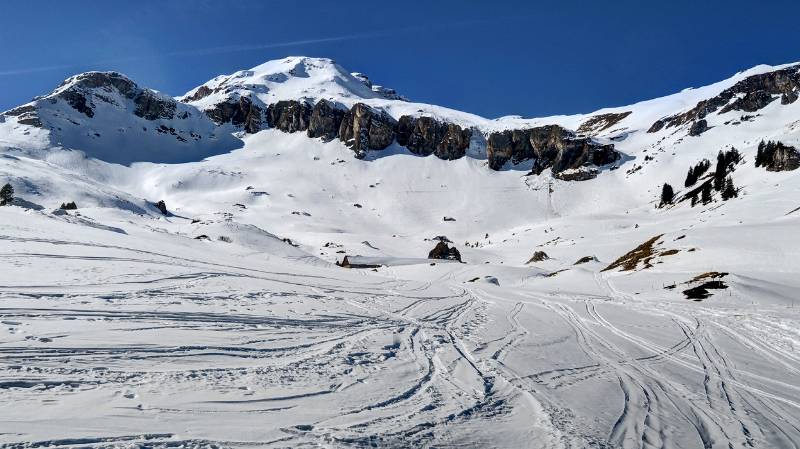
x=225, y=323
x=109, y=117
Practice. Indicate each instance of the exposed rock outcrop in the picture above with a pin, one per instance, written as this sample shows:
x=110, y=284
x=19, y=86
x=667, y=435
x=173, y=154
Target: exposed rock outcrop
x=750, y=94
x=775, y=156
x=162, y=207
x=289, y=116
x=599, y=123
x=426, y=136
x=443, y=251
x=26, y=115
x=325, y=120
x=549, y=146
x=698, y=127
x=577, y=174
x=364, y=128
x=538, y=256
x=240, y=113
x=152, y=107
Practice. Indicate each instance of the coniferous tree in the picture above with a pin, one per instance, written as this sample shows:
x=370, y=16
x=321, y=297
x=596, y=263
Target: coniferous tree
x=667, y=194
x=6, y=195
x=705, y=193
x=730, y=190
x=690, y=178
x=720, y=171
x=694, y=200
x=696, y=172
x=760, y=154
x=732, y=157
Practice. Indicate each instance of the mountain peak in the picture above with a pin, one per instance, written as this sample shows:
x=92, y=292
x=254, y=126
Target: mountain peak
x=290, y=78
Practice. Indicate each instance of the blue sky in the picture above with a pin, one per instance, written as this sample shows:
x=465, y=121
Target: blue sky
x=495, y=58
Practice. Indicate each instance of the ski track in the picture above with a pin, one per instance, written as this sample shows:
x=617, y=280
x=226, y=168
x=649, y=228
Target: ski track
x=380, y=364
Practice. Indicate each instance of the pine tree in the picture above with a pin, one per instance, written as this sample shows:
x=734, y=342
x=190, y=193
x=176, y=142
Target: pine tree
x=690, y=178
x=705, y=194
x=6, y=195
x=696, y=172
x=719, y=172
x=667, y=194
x=694, y=200
x=729, y=191
x=732, y=157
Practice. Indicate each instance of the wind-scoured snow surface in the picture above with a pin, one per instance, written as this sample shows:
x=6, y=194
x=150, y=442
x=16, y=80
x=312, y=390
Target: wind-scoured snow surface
x=227, y=324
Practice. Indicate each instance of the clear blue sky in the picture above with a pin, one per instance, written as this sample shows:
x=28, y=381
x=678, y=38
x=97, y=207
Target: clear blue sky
x=493, y=58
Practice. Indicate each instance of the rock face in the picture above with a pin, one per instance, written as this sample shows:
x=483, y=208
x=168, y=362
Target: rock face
x=548, y=146
x=698, y=127
x=364, y=129
x=443, y=251
x=289, y=116
x=426, y=136
x=240, y=113
x=325, y=120
x=775, y=156
x=750, y=95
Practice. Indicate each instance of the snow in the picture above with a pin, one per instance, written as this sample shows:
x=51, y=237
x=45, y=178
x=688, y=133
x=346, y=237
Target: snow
x=121, y=328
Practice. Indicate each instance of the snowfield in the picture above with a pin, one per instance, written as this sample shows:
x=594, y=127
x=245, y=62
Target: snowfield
x=226, y=323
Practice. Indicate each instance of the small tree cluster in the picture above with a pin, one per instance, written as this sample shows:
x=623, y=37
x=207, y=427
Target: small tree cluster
x=726, y=160
x=667, y=195
x=764, y=154
x=705, y=193
x=729, y=191
x=696, y=172
x=777, y=156
x=6, y=195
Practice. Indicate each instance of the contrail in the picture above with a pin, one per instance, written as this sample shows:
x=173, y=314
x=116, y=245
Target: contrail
x=251, y=47
x=202, y=52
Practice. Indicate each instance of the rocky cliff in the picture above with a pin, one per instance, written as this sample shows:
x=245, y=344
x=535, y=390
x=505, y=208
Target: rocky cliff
x=242, y=113
x=364, y=128
x=549, y=146
x=426, y=136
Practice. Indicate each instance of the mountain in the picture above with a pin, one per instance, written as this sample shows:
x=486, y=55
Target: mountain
x=111, y=118
x=198, y=294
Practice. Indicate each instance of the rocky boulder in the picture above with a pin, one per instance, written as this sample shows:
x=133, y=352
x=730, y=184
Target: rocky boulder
x=538, y=256
x=325, y=120
x=289, y=115
x=426, y=136
x=364, y=128
x=443, y=251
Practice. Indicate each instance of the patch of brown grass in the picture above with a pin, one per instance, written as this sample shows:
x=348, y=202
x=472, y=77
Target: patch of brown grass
x=707, y=276
x=642, y=253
